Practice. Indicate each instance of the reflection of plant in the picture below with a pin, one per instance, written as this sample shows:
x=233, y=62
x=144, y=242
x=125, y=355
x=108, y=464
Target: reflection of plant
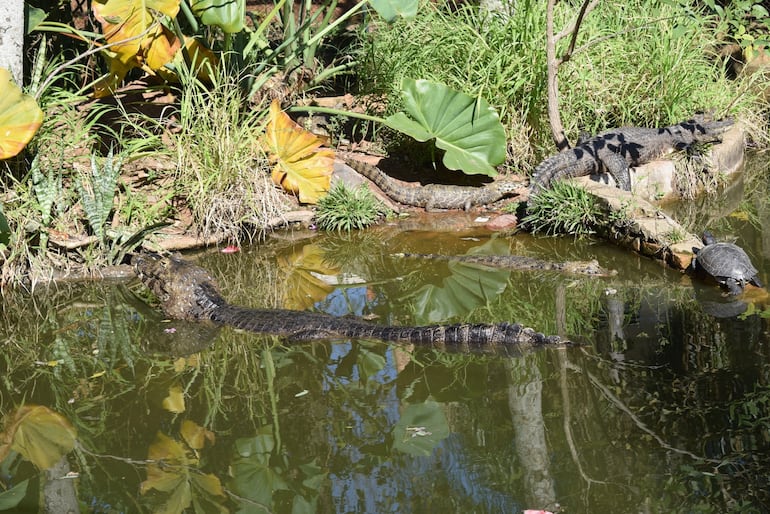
x=564, y=208
x=348, y=209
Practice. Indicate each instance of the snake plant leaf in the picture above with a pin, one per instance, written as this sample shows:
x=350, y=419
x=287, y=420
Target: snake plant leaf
x=301, y=166
x=225, y=14
x=20, y=117
x=41, y=435
x=127, y=20
x=389, y=10
x=467, y=128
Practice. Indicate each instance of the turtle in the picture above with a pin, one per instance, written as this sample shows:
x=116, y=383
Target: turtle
x=727, y=263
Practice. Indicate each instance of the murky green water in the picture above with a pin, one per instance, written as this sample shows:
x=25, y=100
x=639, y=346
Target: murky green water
x=666, y=407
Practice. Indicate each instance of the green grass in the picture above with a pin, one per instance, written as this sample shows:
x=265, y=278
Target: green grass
x=348, y=209
x=564, y=208
x=222, y=171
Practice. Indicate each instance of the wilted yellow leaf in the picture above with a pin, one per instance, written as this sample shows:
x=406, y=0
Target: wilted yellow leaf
x=174, y=402
x=301, y=165
x=304, y=285
x=123, y=20
x=195, y=435
x=20, y=117
x=41, y=435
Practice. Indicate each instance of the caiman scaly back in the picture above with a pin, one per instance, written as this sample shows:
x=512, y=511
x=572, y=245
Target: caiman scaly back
x=617, y=150
x=187, y=291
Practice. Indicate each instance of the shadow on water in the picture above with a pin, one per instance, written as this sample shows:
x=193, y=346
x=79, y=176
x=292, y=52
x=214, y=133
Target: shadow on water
x=665, y=407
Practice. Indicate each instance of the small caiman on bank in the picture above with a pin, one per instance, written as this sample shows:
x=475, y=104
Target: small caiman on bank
x=189, y=292
x=521, y=262
x=617, y=150
x=435, y=196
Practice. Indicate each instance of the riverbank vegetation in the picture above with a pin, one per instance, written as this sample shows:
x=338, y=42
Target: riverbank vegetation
x=186, y=131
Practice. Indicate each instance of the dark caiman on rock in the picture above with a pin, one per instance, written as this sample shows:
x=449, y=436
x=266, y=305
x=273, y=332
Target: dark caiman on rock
x=189, y=292
x=521, y=262
x=435, y=196
x=615, y=151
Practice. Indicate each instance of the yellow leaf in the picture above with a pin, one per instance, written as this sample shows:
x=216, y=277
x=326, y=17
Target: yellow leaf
x=195, y=435
x=174, y=402
x=300, y=164
x=123, y=20
x=304, y=266
x=41, y=435
x=20, y=117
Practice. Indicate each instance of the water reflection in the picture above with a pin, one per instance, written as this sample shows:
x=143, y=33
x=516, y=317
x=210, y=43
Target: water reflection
x=665, y=409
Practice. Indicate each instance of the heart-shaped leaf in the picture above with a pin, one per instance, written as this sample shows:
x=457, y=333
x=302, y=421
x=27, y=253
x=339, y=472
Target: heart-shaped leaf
x=467, y=128
x=301, y=165
x=20, y=117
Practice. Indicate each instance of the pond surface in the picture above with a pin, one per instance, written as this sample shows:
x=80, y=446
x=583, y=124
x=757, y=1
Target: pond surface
x=664, y=408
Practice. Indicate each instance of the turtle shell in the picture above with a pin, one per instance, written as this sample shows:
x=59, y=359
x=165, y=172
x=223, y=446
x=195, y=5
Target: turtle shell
x=724, y=261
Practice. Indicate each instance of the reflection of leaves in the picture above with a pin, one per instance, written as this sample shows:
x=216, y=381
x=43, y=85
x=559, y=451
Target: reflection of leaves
x=301, y=165
x=369, y=363
x=195, y=435
x=13, y=496
x=173, y=473
x=421, y=427
x=469, y=286
x=304, y=287
x=174, y=402
x=253, y=477
x=39, y=434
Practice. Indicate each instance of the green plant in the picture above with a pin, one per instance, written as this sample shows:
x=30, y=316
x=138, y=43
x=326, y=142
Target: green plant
x=563, y=209
x=97, y=192
x=348, y=209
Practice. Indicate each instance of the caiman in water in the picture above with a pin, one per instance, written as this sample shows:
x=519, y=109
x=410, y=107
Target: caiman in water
x=617, y=150
x=189, y=292
x=436, y=196
x=521, y=262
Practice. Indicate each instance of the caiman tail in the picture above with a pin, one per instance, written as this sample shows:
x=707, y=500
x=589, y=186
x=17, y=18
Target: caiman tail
x=189, y=292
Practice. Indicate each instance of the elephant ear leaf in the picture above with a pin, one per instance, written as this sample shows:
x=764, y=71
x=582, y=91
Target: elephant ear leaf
x=301, y=166
x=392, y=9
x=466, y=128
x=20, y=117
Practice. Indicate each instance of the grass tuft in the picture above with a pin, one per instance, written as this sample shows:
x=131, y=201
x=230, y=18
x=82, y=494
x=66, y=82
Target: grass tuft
x=564, y=208
x=348, y=209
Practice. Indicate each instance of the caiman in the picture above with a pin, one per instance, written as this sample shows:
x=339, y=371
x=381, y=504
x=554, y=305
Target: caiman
x=189, y=292
x=617, y=150
x=435, y=196
x=521, y=262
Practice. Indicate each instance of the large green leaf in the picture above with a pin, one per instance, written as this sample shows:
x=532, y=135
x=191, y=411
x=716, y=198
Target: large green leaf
x=225, y=14
x=389, y=10
x=467, y=128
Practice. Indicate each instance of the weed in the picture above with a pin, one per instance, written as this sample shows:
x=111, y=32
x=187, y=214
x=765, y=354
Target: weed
x=347, y=209
x=222, y=171
x=563, y=209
